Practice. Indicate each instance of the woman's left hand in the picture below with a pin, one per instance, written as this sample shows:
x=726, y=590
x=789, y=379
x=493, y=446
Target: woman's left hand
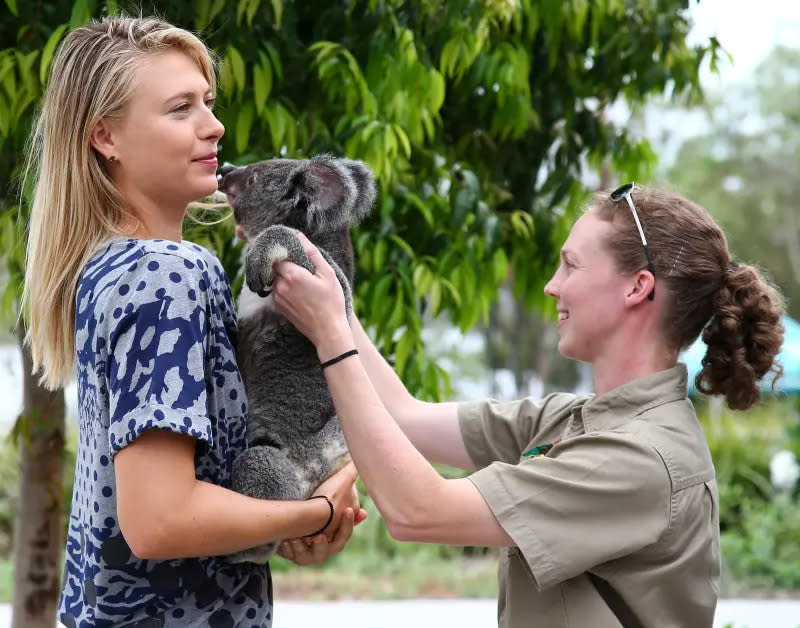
x=312, y=302
x=316, y=550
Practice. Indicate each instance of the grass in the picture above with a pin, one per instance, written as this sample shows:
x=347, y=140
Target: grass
x=380, y=578
x=6, y=580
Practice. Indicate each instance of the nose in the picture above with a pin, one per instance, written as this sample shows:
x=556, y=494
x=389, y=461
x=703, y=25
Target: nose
x=551, y=288
x=211, y=128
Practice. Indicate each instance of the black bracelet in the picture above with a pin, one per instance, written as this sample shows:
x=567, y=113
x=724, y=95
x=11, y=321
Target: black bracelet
x=330, y=517
x=338, y=358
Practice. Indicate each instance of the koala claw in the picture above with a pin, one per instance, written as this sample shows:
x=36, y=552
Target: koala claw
x=265, y=292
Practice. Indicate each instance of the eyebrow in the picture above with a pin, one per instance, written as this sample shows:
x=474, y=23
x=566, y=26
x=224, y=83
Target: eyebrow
x=188, y=95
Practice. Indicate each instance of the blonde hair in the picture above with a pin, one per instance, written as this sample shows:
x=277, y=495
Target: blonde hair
x=76, y=206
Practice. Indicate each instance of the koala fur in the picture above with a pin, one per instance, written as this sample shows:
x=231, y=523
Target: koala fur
x=294, y=438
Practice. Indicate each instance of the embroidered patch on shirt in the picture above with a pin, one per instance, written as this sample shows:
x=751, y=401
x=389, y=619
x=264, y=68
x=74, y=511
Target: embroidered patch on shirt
x=539, y=450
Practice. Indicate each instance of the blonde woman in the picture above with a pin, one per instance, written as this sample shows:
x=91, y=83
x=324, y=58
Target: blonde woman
x=126, y=139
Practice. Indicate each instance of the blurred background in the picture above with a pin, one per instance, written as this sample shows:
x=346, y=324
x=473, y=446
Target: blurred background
x=487, y=124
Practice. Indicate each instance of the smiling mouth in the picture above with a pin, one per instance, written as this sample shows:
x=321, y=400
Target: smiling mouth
x=562, y=316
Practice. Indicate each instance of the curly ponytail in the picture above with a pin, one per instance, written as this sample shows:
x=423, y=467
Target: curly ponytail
x=743, y=337
x=735, y=308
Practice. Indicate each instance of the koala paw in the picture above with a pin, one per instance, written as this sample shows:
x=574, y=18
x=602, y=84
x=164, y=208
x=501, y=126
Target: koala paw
x=258, y=271
x=275, y=244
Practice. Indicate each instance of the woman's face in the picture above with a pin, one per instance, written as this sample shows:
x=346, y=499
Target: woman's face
x=589, y=291
x=166, y=141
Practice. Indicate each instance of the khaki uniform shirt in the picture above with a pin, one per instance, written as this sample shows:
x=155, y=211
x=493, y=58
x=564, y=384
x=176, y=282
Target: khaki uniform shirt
x=621, y=486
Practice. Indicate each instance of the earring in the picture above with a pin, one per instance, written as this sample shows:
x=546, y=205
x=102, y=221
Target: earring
x=112, y=159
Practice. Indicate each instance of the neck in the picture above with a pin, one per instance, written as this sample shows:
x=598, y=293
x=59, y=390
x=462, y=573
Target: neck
x=156, y=223
x=636, y=356
x=154, y=218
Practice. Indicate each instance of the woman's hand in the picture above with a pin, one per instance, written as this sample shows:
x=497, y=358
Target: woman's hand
x=313, y=302
x=317, y=549
x=340, y=489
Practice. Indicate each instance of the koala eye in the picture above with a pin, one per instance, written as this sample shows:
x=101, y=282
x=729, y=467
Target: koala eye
x=251, y=179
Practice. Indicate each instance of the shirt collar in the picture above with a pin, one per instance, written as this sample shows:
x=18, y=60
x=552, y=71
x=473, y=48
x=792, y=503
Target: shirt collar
x=626, y=402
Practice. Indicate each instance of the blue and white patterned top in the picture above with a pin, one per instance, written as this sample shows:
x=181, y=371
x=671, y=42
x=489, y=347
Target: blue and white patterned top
x=155, y=340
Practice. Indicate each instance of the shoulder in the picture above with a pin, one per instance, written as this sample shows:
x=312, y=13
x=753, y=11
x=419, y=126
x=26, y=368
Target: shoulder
x=674, y=431
x=126, y=274
x=555, y=404
x=131, y=264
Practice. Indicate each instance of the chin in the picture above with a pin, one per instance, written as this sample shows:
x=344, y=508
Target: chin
x=204, y=190
x=570, y=352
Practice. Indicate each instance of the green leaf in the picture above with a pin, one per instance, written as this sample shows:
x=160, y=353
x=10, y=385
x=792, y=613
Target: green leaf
x=5, y=116
x=237, y=67
x=240, y=10
x=80, y=13
x=379, y=256
x=252, y=10
x=277, y=11
x=403, y=245
x=244, y=123
x=402, y=138
x=215, y=9
x=275, y=59
x=12, y=6
x=49, y=49
x=201, y=10
x=402, y=352
x=262, y=85
x=435, y=296
x=499, y=265
x=396, y=317
x=379, y=293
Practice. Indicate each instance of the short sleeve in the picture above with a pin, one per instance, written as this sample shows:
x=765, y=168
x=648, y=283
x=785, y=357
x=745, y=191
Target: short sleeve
x=592, y=499
x=158, y=324
x=500, y=431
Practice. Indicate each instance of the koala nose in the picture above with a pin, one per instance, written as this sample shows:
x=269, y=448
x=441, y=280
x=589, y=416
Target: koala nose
x=224, y=170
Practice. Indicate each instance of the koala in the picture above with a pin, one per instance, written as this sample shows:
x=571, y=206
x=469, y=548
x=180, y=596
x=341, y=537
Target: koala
x=295, y=440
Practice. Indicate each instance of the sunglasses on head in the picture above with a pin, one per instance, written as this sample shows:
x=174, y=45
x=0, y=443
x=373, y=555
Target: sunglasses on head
x=625, y=192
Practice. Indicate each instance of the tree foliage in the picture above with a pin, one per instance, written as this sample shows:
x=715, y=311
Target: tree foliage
x=480, y=119
x=744, y=169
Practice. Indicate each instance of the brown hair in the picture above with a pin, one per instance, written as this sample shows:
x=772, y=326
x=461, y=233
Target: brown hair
x=737, y=310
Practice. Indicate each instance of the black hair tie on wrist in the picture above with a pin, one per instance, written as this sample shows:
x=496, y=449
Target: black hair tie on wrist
x=330, y=517
x=338, y=358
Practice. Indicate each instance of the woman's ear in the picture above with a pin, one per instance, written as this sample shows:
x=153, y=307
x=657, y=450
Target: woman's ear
x=642, y=284
x=102, y=139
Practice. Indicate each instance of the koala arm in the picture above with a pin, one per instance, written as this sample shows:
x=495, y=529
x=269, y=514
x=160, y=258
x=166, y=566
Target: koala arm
x=165, y=512
x=432, y=428
x=415, y=501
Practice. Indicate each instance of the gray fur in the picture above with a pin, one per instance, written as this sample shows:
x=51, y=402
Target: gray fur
x=295, y=440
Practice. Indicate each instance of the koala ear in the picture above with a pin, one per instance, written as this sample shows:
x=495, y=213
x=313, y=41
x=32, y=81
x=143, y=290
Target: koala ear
x=317, y=187
x=333, y=193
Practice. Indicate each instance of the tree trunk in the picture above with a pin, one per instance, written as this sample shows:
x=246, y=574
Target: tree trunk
x=38, y=529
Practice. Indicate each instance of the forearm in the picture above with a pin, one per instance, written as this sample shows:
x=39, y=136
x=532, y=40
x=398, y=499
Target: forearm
x=402, y=483
x=389, y=387
x=213, y=520
x=431, y=427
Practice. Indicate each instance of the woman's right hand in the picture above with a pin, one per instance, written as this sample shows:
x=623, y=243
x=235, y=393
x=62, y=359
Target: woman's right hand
x=340, y=489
